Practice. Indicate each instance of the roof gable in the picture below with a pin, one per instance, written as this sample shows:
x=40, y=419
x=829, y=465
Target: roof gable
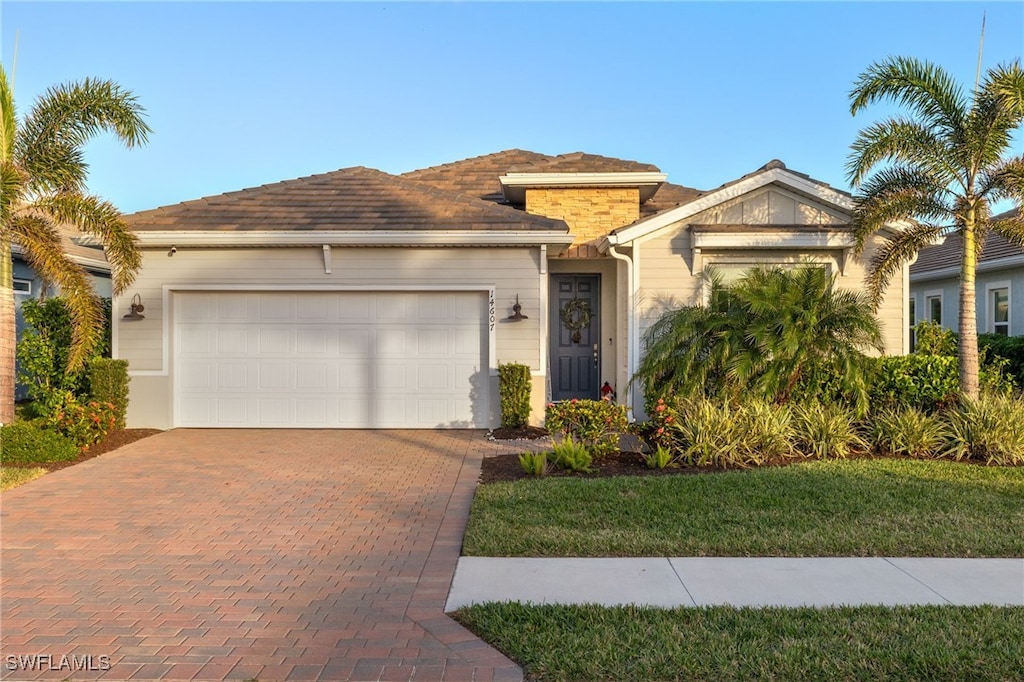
x=772, y=173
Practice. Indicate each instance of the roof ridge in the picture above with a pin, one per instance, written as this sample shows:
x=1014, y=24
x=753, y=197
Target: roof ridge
x=481, y=157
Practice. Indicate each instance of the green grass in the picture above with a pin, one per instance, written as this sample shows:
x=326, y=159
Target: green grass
x=864, y=643
x=832, y=508
x=12, y=477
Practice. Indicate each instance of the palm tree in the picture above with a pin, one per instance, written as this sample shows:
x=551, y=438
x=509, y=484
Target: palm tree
x=775, y=334
x=939, y=171
x=42, y=186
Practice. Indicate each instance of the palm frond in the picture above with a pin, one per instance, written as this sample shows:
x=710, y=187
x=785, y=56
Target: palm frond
x=894, y=253
x=896, y=140
x=8, y=118
x=1011, y=229
x=101, y=219
x=1003, y=180
x=919, y=85
x=41, y=242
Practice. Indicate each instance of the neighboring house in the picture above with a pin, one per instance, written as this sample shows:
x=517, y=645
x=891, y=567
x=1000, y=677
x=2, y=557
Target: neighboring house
x=999, y=287
x=361, y=299
x=28, y=284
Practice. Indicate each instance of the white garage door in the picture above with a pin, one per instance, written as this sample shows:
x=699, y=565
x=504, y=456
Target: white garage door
x=330, y=359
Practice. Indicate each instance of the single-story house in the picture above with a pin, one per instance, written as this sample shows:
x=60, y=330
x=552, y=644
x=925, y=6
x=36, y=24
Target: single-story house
x=357, y=298
x=999, y=284
x=29, y=285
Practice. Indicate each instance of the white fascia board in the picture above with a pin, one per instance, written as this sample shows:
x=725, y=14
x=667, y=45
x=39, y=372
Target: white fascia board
x=581, y=179
x=954, y=270
x=782, y=239
x=712, y=199
x=212, y=238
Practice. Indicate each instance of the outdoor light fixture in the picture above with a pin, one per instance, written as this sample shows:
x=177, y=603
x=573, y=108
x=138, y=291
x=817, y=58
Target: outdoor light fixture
x=517, y=312
x=136, y=310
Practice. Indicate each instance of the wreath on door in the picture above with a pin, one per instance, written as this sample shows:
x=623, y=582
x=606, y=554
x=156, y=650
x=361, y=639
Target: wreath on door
x=575, y=316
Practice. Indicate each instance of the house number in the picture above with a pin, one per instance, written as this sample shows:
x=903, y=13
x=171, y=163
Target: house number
x=490, y=311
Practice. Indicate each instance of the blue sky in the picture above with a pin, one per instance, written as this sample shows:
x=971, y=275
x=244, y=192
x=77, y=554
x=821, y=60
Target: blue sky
x=241, y=94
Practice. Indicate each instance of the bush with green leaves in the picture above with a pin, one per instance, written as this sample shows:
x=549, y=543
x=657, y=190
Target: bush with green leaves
x=573, y=456
x=514, y=387
x=44, y=349
x=594, y=423
x=934, y=339
x=777, y=334
x=85, y=423
x=29, y=442
x=825, y=430
x=989, y=430
x=926, y=382
x=1009, y=348
x=659, y=458
x=108, y=383
x=906, y=431
x=534, y=463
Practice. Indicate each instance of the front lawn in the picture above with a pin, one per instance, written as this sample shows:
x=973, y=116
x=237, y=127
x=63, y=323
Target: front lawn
x=877, y=507
x=554, y=642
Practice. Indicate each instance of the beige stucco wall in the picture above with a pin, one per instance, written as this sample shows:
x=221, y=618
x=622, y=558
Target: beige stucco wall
x=144, y=344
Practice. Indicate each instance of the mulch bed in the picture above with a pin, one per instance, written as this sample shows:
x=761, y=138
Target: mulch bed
x=112, y=442
x=500, y=468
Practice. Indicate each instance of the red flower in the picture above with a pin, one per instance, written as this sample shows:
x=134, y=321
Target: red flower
x=668, y=419
x=660, y=407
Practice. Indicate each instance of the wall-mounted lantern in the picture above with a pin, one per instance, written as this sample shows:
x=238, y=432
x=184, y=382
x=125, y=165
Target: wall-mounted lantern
x=136, y=310
x=517, y=312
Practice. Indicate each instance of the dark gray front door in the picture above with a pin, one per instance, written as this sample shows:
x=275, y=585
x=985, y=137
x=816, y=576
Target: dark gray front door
x=574, y=345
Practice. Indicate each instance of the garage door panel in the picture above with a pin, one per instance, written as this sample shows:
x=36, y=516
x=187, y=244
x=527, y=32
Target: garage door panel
x=329, y=359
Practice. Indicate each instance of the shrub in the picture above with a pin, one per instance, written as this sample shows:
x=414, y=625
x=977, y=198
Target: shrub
x=1010, y=348
x=934, y=339
x=765, y=432
x=826, y=430
x=573, y=456
x=84, y=424
x=534, y=463
x=31, y=443
x=108, y=383
x=594, y=423
x=707, y=434
x=660, y=458
x=989, y=430
x=924, y=382
x=514, y=387
x=906, y=431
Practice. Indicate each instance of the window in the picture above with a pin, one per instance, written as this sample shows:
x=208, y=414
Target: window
x=999, y=309
x=933, y=307
x=23, y=287
x=912, y=316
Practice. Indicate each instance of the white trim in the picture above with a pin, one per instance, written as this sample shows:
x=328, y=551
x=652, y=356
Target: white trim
x=773, y=239
x=22, y=292
x=620, y=179
x=780, y=176
x=990, y=312
x=954, y=270
x=243, y=238
x=543, y=332
x=933, y=294
x=168, y=289
x=631, y=325
x=327, y=259
x=907, y=321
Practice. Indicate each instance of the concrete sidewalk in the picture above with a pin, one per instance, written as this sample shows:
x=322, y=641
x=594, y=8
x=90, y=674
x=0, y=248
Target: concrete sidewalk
x=672, y=582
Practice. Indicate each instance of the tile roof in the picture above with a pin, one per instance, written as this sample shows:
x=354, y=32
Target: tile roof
x=580, y=162
x=477, y=176
x=92, y=257
x=348, y=199
x=947, y=254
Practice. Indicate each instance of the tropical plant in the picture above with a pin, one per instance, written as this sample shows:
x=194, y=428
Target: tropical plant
x=937, y=172
x=43, y=186
x=908, y=432
x=534, y=463
x=659, y=458
x=573, y=456
x=594, y=423
x=990, y=430
x=776, y=334
x=824, y=431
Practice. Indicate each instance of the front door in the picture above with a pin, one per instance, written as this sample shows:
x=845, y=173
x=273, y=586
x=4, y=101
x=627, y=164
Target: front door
x=575, y=337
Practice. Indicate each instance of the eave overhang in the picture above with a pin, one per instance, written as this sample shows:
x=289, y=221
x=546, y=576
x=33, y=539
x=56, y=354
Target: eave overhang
x=364, y=238
x=954, y=270
x=514, y=185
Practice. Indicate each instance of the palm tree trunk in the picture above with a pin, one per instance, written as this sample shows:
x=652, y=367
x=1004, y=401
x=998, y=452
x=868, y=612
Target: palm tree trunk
x=968, y=323
x=8, y=332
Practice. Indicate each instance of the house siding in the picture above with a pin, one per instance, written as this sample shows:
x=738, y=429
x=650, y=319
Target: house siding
x=950, y=290
x=510, y=271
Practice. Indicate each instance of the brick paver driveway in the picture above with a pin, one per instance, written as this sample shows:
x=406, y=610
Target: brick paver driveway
x=217, y=554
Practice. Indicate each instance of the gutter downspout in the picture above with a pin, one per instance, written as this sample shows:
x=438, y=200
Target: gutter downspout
x=632, y=335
